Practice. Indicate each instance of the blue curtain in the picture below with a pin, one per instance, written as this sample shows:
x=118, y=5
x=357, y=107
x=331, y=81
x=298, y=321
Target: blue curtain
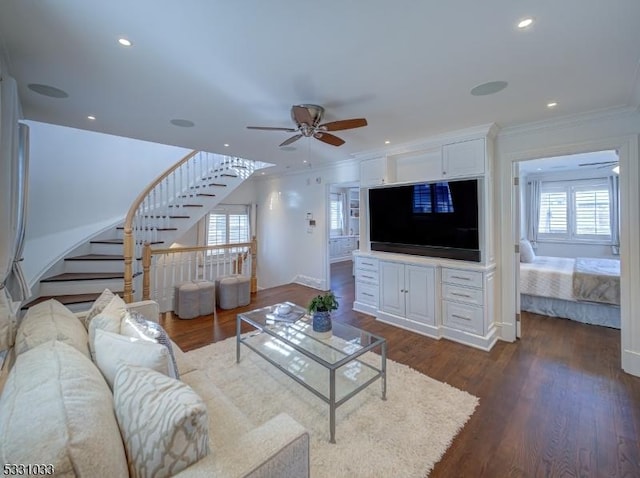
x=533, y=211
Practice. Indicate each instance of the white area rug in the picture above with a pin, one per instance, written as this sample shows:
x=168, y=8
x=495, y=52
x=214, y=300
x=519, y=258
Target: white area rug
x=402, y=436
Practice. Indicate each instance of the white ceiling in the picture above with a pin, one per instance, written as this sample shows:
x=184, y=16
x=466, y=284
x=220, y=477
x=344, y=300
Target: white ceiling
x=407, y=66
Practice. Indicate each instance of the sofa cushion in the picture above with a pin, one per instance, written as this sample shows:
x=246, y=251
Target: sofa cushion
x=162, y=420
x=57, y=409
x=98, y=306
x=113, y=349
x=108, y=319
x=47, y=321
x=135, y=325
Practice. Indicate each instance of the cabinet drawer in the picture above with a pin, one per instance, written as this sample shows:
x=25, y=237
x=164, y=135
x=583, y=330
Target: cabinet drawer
x=366, y=263
x=364, y=275
x=463, y=317
x=461, y=277
x=462, y=294
x=367, y=293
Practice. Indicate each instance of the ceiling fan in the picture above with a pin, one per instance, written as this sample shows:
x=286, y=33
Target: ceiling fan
x=307, y=119
x=601, y=164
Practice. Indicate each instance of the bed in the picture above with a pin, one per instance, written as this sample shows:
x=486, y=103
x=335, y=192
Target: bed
x=583, y=289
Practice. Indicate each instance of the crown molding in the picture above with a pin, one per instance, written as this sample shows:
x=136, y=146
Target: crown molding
x=571, y=121
x=431, y=142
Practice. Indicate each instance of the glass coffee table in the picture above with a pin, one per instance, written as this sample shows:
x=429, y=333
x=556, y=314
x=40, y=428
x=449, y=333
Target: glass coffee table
x=331, y=368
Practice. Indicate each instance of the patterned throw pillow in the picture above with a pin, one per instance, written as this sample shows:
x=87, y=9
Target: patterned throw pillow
x=98, y=306
x=163, y=422
x=135, y=325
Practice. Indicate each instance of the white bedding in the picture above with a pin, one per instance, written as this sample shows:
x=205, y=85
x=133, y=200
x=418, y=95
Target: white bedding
x=548, y=277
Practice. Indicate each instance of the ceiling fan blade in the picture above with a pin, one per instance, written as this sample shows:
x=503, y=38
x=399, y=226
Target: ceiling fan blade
x=268, y=128
x=301, y=115
x=290, y=140
x=344, y=124
x=329, y=139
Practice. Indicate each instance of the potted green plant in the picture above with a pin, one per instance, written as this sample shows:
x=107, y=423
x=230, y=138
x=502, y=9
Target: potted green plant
x=320, y=307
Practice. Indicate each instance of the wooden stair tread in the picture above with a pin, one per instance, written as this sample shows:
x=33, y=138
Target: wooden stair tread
x=78, y=276
x=186, y=205
x=107, y=241
x=152, y=228
x=68, y=299
x=96, y=257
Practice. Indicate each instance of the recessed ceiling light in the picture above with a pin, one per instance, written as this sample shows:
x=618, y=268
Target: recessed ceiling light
x=489, y=88
x=553, y=104
x=47, y=90
x=387, y=142
x=304, y=160
x=226, y=145
x=91, y=117
x=124, y=42
x=525, y=22
x=262, y=172
x=183, y=123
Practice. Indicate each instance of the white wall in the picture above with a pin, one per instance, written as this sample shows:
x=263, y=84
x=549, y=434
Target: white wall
x=81, y=182
x=607, y=130
x=289, y=250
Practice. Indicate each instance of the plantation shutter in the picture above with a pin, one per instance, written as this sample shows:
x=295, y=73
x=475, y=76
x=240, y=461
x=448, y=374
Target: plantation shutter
x=228, y=225
x=336, y=214
x=592, y=211
x=553, y=211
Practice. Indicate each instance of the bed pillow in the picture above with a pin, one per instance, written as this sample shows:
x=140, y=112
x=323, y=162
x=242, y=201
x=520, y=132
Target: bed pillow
x=135, y=325
x=50, y=320
x=98, y=306
x=113, y=349
x=163, y=422
x=527, y=254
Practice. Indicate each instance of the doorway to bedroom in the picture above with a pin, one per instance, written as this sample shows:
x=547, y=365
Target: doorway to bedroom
x=569, y=225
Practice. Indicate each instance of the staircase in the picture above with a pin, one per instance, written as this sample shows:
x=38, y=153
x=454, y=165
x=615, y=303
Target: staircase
x=161, y=214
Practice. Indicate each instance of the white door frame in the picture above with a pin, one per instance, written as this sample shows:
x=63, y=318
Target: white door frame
x=627, y=147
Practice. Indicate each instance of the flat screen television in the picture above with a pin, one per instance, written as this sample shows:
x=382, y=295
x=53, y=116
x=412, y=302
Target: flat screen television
x=438, y=219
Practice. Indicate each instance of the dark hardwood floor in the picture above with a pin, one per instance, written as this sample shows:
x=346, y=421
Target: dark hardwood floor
x=553, y=404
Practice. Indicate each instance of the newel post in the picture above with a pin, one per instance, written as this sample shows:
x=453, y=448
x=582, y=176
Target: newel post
x=146, y=277
x=128, y=263
x=254, y=265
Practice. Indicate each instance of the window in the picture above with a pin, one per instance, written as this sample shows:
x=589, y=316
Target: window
x=336, y=214
x=575, y=210
x=228, y=225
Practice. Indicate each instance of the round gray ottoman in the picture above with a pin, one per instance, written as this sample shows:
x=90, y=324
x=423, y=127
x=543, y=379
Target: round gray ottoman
x=233, y=291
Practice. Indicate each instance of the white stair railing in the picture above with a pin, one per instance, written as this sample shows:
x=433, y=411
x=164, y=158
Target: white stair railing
x=172, y=194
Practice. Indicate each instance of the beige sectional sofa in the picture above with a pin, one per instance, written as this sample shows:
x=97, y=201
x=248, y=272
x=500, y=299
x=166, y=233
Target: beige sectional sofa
x=57, y=409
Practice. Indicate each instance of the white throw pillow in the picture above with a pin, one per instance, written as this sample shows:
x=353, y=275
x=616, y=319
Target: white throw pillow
x=98, y=306
x=50, y=320
x=111, y=350
x=56, y=409
x=527, y=255
x=109, y=319
x=135, y=325
x=163, y=422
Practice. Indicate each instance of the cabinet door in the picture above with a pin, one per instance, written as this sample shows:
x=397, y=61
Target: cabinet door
x=392, y=288
x=463, y=159
x=420, y=294
x=373, y=172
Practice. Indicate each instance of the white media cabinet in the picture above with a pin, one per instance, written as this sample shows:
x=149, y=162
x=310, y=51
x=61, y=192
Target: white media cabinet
x=440, y=298
x=431, y=296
